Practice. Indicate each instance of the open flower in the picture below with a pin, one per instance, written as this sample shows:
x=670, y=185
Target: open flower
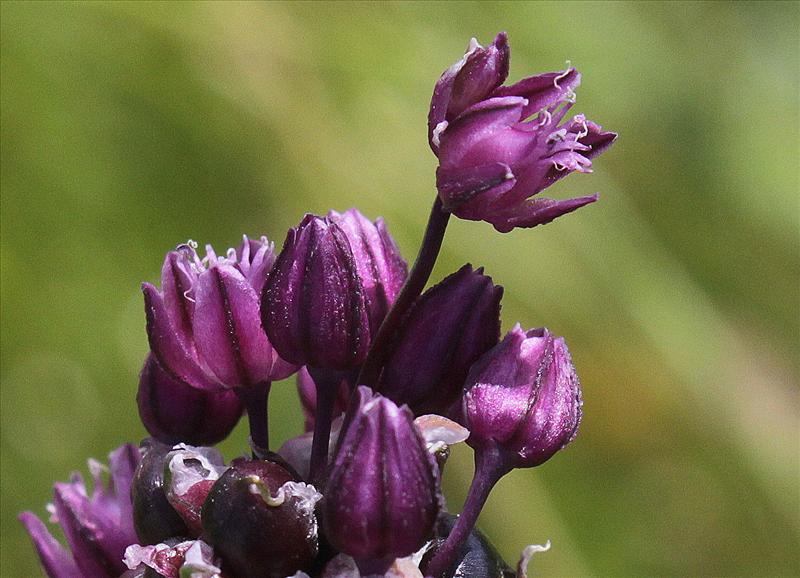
x=98, y=526
x=498, y=146
x=204, y=325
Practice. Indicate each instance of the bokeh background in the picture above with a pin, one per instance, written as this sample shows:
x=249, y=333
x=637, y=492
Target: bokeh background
x=130, y=127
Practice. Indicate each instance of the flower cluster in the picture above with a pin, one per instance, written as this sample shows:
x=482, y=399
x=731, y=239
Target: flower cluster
x=389, y=376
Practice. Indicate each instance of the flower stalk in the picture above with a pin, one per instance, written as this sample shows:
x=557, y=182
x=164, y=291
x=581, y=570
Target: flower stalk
x=417, y=278
x=256, y=401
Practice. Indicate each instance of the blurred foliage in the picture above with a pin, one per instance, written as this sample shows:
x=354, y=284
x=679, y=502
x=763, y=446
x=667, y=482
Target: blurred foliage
x=130, y=127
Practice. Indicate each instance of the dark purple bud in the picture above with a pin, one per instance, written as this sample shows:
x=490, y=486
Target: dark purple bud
x=203, y=326
x=174, y=411
x=468, y=81
x=307, y=390
x=98, y=525
x=382, y=494
x=330, y=289
x=261, y=521
x=523, y=398
x=449, y=327
x=154, y=517
x=189, y=474
x=509, y=145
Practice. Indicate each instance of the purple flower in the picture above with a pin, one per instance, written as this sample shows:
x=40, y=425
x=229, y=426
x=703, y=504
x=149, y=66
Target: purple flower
x=382, y=494
x=203, y=326
x=498, y=146
x=523, y=398
x=173, y=411
x=98, y=527
x=331, y=287
x=449, y=327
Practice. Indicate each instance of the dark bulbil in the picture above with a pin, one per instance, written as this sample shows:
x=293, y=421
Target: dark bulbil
x=261, y=521
x=154, y=518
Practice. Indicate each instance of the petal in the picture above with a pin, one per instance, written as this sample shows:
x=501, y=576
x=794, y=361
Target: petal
x=166, y=344
x=55, y=559
x=543, y=91
x=227, y=328
x=538, y=211
x=458, y=186
x=177, y=284
x=477, y=123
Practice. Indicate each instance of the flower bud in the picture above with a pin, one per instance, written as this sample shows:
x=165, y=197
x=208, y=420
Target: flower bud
x=174, y=412
x=154, y=517
x=261, y=521
x=449, y=327
x=203, y=326
x=98, y=526
x=331, y=286
x=523, y=397
x=382, y=494
x=189, y=474
x=505, y=144
x=468, y=81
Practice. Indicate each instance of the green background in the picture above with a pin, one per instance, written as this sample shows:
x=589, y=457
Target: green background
x=128, y=128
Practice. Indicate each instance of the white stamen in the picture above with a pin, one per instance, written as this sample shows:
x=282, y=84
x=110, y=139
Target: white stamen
x=563, y=74
x=437, y=132
x=527, y=554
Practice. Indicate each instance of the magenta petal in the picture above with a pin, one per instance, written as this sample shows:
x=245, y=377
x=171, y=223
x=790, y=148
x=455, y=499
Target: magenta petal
x=94, y=538
x=543, y=90
x=170, y=351
x=227, y=328
x=458, y=186
x=55, y=559
x=538, y=211
x=177, y=283
x=477, y=123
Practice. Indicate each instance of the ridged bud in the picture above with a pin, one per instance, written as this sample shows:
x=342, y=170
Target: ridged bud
x=382, y=493
x=261, y=521
x=523, y=397
x=173, y=411
x=449, y=327
x=330, y=289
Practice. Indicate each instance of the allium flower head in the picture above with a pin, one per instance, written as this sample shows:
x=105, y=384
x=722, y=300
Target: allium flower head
x=500, y=146
x=331, y=287
x=203, y=326
x=523, y=397
x=98, y=526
